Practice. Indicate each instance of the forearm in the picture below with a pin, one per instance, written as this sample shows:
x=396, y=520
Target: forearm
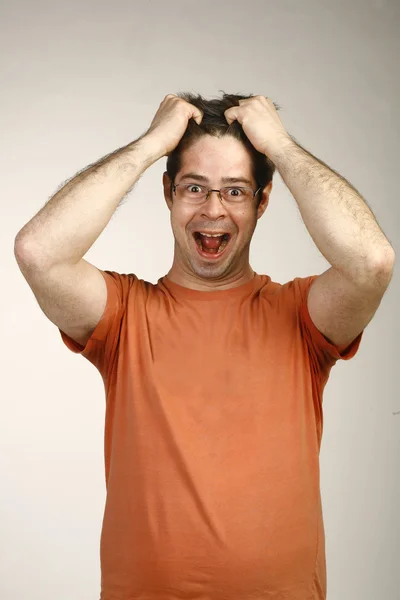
x=69, y=224
x=336, y=216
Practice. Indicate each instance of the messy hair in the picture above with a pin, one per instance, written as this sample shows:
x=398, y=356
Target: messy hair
x=214, y=123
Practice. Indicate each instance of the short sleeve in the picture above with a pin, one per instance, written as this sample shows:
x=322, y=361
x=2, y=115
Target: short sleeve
x=324, y=351
x=102, y=346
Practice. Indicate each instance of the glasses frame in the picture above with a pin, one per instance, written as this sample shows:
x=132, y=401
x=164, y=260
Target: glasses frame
x=175, y=185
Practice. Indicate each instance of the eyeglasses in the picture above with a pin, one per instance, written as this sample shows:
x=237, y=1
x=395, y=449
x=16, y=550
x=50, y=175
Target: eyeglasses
x=193, y=193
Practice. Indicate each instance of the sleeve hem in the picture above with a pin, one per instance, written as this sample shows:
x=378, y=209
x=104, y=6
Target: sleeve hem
x=322, y=342
x=101, y=328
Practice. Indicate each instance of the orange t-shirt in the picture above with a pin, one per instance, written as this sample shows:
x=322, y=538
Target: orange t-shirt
x=212, y=436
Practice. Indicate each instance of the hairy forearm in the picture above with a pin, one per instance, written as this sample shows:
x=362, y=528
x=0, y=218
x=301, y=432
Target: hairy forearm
x=338, y=219
x=71, y=221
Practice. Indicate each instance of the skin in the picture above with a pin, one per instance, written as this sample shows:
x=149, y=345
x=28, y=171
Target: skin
x=214, y=158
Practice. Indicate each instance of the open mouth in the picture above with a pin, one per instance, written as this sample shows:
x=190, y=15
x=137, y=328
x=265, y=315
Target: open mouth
x=211, y=244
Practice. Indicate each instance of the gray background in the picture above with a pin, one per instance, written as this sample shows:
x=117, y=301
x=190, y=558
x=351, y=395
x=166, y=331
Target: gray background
x=81, y=80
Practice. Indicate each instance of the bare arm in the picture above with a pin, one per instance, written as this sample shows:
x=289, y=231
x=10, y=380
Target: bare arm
x=49, y=249
x=69, y=224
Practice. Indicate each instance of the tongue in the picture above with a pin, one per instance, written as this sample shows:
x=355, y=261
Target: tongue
x=211, y=243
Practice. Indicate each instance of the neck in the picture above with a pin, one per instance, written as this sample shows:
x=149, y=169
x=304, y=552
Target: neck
x=190, y=279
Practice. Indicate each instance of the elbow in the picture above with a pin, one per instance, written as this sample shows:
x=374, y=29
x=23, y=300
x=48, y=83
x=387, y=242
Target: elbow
x=24, y=251
x=382, y=267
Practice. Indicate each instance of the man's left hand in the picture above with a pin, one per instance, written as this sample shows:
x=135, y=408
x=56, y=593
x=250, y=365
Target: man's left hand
x=261, y=124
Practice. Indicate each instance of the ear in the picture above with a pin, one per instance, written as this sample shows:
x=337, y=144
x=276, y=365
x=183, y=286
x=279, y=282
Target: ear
x=264, y=200
x=167, y=189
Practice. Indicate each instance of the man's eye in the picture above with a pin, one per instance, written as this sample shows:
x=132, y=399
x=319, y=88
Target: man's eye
x=190, y=187
x=238, y=190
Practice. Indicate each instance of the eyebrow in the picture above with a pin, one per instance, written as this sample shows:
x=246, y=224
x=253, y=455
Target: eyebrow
x=197, y=177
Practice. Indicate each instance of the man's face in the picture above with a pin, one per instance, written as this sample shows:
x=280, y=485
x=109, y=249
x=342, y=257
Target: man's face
x=214, y=158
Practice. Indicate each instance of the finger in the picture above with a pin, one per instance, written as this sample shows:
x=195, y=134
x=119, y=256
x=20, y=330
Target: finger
x=231, y=114
x=197, y=115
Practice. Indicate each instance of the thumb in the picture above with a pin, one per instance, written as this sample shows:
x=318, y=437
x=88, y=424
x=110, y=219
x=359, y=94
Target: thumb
x=197, y=115
x=231, y=114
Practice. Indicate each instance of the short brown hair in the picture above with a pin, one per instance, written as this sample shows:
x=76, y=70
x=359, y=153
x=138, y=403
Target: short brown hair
x=214, y=123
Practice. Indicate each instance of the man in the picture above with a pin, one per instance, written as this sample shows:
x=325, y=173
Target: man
x=214, y=377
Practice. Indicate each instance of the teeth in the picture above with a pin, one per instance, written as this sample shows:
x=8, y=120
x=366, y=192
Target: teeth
x=212, y=234
x=222, y=246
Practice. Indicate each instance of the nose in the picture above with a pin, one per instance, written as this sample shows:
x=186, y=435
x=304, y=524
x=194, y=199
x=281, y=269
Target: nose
x=213, y=207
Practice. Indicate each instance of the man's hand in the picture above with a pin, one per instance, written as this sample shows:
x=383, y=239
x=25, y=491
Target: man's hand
x=261, y=123
x=170, y=123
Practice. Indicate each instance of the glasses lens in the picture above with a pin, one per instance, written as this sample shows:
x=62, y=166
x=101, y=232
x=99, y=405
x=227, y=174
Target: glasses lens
x=236, y=194
x=191, y=192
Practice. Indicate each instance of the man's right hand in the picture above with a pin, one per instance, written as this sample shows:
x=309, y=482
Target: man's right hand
x=170, y=123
